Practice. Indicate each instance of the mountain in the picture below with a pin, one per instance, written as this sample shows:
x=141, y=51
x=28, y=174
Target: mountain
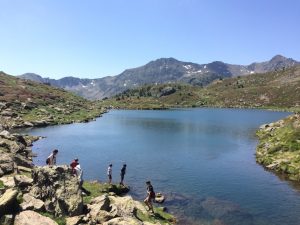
x=164, y=70
x=25, y=103
x=274, y=90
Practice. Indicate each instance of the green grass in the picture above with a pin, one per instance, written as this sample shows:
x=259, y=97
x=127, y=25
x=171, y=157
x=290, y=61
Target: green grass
x=96, y=189
x=279, y=147
x=1, y=184
x=159, y=215
x=27, y=174
x=64, y=107
x=59, y=220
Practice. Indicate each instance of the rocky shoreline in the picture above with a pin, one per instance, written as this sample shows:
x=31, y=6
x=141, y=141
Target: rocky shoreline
x=279, y=147
x=51, y=195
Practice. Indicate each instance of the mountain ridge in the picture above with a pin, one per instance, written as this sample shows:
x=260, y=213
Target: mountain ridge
x=159, y=71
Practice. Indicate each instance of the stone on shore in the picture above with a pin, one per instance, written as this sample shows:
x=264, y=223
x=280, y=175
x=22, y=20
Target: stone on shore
x=123, y=221
x=31, y=203
x=59, y=188
x=7, y=201
x=8, y=181
x=32, y=218
x=22, y=181
x=159, y=198
x=75, y=220
x=6, y=163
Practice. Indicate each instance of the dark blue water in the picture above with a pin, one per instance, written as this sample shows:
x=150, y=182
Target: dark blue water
x=202, y=159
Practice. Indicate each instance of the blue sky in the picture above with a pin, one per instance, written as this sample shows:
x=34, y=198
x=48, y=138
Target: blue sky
x=96, y=38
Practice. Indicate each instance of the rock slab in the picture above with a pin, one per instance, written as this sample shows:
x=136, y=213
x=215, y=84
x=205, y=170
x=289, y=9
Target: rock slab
x=32, y=218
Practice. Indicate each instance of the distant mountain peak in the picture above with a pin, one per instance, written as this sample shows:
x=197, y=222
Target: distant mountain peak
x=278, y=58
x=165, y=60
x=163, y=70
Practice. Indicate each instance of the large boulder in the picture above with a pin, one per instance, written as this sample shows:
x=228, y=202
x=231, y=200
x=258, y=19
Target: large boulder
x=97, y=215
x=32, y=218
x=23, y=182
x=8, y=181
x=8, y=201
x=11, y=144
x=125, y=206
x=123, y=221
x=98, y=209
x=24, y=169
x=22, y=160
x=31, y=203
x=6, y=163
x=102, y=201
x=59, y=188
x=5, y=134
x=75, y=220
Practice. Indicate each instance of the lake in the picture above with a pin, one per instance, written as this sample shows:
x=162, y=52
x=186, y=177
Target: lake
x=203, y=160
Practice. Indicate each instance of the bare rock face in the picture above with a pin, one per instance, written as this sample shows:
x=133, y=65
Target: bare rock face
x=6, y=163
x=125, y=206
x=101, y=201
x=8, y=181
x=23, y=182
x=32, y=218
x=31, y=203
x=14, y=152
x=75, y=220
x=7, y=201
x=58, y=188
x=123, y=221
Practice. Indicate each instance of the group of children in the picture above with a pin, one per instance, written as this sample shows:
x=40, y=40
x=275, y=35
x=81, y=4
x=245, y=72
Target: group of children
x=122, y=174
x=77, y=171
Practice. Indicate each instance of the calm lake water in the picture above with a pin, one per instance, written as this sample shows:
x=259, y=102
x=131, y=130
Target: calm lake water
x=203, y=160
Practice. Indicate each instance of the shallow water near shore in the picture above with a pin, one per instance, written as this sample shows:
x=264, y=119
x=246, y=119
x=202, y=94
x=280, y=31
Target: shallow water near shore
x=203, y=160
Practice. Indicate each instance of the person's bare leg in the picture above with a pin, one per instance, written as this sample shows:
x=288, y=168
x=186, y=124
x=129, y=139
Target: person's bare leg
x=150, y=206
x=147, y=203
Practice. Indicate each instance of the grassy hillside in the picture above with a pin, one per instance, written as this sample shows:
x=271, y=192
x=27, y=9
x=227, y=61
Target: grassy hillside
x=274, y=90
x=279, y=147
x=26, y=103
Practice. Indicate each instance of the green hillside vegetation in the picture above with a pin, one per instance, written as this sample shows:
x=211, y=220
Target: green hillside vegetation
x=155, y=97
x=279, y=147
x=274, y=90
x=26, y=103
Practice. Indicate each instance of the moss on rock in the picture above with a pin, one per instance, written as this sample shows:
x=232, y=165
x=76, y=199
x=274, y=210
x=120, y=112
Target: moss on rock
x=279, y=146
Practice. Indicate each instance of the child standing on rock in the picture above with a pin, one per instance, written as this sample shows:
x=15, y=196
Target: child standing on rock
x=109, y=173
x=51, y=160
x=150, y=196
x=123, y=171
x=73, y=164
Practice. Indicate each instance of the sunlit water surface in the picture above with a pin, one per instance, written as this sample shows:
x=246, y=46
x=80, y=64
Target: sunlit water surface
x=203, y=160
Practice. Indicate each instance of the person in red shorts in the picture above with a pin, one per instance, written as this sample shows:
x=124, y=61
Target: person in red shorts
x=73, y=164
